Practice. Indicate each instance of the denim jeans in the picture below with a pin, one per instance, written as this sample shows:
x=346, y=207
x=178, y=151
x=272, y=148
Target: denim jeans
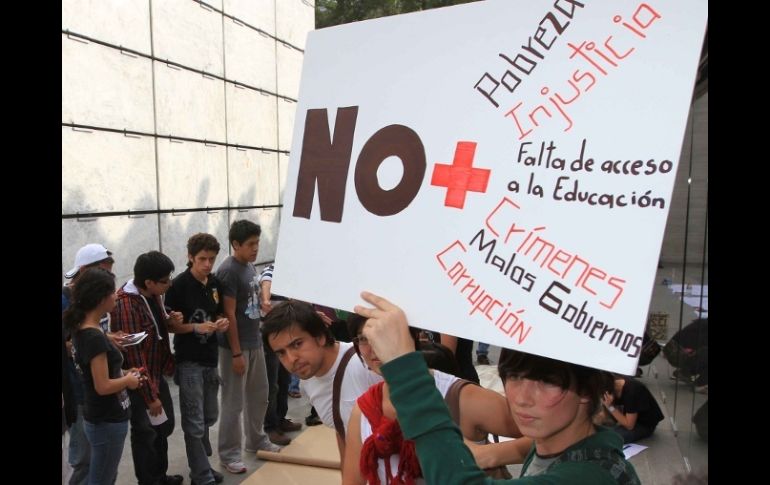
x=106, y=440
x=79, y=451
x=633, y=435
x=149, y=444
x=482, y=349
x=294, y=384
x=198, y=388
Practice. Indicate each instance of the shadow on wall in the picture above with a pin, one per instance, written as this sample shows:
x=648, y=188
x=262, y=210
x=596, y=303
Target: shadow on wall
x=128, y=236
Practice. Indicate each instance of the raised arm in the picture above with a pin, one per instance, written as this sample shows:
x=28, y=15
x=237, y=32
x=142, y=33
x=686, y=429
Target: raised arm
x=422, y=413
x=351, y=471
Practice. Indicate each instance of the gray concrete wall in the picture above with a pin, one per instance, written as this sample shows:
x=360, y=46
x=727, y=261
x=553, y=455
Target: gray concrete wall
x=206, y=93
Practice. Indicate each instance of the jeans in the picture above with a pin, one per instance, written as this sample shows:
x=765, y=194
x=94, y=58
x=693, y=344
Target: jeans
x=66, y=471
x=79, y=451
x=106, y=440
x=245, y=394
x=278, y=397
x=482, y=349
x=294, y=384
x=198, y=387
x=149, y=444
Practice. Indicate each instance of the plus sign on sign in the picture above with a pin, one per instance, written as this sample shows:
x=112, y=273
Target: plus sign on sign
x=500, y=170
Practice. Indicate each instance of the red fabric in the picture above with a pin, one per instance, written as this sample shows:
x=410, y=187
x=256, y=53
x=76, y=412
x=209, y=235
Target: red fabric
x=386, y=440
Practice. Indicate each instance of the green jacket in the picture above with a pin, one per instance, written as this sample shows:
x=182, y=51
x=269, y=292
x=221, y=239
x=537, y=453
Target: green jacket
x=424, y=418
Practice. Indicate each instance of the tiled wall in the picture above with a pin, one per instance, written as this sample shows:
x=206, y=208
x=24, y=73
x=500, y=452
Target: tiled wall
x=177, y=118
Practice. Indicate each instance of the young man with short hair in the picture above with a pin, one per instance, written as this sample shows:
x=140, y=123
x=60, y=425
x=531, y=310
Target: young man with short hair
x=306, y=347
x=195, y=293
x=140, y=308
x=241, y=357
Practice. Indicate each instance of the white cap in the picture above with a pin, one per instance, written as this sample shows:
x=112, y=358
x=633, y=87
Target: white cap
x=88, y=254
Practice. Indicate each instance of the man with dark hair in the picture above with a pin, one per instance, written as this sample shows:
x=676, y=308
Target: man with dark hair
x=139, y=308
x=634, y=408
x=241, y=358
x=305, y=347
x=195, y=293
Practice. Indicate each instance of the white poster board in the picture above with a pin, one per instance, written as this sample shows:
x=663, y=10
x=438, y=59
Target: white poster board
x=455, y=162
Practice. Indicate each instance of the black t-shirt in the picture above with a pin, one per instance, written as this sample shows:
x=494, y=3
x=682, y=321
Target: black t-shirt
x=636, y=398
x=464, y=357
x=199, y=303
x=112, y=408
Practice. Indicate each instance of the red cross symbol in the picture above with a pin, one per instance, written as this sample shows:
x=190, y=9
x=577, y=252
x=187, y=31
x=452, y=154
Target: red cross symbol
x=460, y=177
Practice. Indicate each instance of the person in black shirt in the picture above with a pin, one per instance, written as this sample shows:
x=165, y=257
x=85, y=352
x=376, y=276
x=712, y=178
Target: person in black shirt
x=633, y=406
x=195, y=293
x=98, y=361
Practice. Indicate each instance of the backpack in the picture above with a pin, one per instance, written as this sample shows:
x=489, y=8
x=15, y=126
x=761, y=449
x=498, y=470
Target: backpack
x=604, y=457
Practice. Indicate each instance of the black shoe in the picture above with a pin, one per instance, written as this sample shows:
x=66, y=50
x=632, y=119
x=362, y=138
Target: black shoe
x=218, y=477
x=287, y=426
x=483, y=360
x=313, y=420
x=172, y=480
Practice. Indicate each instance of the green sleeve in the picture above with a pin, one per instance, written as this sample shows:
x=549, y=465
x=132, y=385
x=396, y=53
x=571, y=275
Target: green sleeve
x=444, y=458
x=424, y=418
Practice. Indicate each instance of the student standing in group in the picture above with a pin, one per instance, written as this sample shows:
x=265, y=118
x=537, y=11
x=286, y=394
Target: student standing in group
x=241, y=358
x=89, y=256
x=106, y=410
x=196, y=294
x=140, y=308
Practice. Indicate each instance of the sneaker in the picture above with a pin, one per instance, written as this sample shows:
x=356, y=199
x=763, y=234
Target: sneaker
x=287, y=426
x=218, y=477
x=295, y=394
x=267, y=446
x=271, y=447
x=483, y=360
x=313, y=420
x=278, y=438
x=235, y=467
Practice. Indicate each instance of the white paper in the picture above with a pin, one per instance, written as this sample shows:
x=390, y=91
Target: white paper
x=632, y=449
x=134, y=338
x=159, y=419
